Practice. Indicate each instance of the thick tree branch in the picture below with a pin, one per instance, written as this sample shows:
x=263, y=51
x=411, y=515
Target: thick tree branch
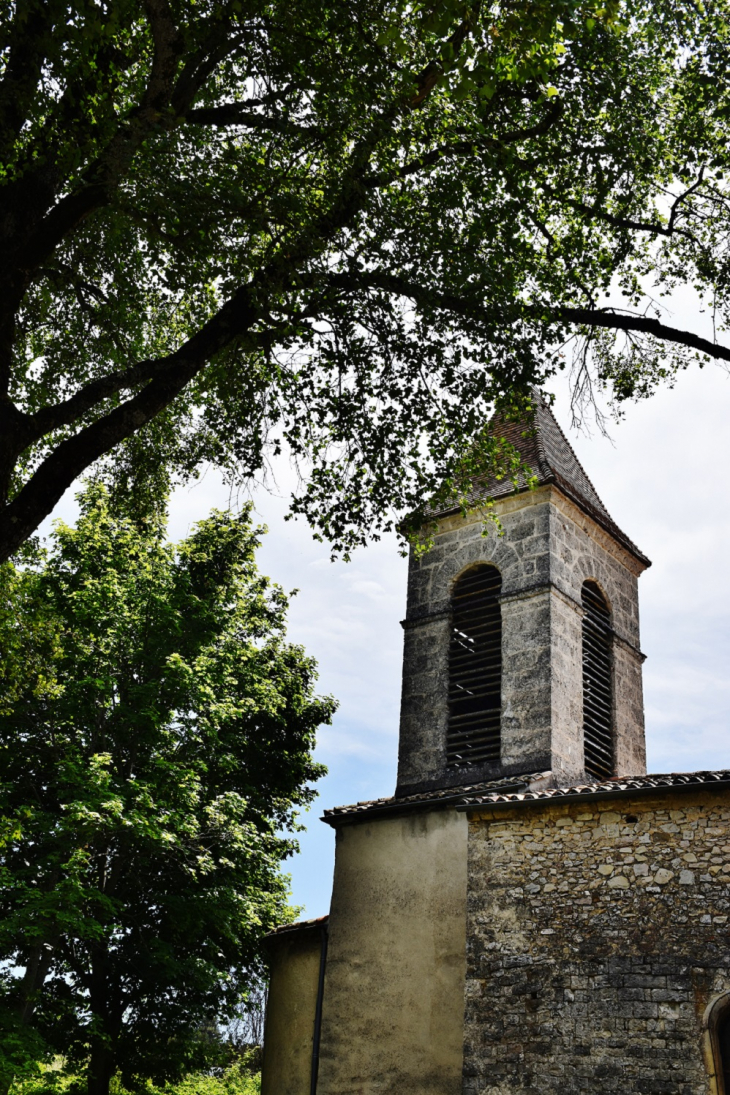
x=93, y=394
x=585, y=317
x=467, y=148
x=232, y=114
x=216, y=41
x=164, y=63
x=29, y=37
x=617, y=321
x=432, y=73
x=103, y=176
x=653, y=228
x=59, y=470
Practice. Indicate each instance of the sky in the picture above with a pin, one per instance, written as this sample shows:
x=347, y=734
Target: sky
x=663, y=476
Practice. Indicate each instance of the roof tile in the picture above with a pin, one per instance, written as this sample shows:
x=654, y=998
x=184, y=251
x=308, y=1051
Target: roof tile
x=527, y=788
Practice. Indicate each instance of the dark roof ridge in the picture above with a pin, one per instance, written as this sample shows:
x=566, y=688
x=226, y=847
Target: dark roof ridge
x=607, y=523
x=541, y=404
x=589, y=501
x=437, y=796
x=610, y=788
x=545, y=405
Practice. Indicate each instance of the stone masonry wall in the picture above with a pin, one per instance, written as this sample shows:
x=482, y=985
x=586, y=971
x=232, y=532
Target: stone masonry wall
x=580, y=550
x=547, y=549
x=597, y=934
x=521, y=555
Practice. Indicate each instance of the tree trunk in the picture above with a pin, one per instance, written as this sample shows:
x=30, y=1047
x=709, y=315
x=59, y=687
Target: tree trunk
x=101, y=1067
x=102, y=1060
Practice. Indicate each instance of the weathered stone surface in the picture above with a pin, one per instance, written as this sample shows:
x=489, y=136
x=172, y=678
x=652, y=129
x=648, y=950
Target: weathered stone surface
x=546, y=550
x=593, y=948
x=393, y=1013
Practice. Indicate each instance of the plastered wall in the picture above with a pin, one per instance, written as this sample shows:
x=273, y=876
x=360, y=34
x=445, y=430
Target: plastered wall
x=597, y=935
x=393, y=1011
x=546, y=550
x=294, y=976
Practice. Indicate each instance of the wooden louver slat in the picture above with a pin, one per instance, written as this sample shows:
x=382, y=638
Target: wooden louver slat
x=597, y=699
x=475, y=669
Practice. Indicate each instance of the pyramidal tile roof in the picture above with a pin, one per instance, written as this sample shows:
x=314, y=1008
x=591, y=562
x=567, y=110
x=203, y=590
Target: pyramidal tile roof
x=545, y=449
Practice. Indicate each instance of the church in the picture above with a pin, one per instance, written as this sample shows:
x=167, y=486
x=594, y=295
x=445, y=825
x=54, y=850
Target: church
x=529, y=911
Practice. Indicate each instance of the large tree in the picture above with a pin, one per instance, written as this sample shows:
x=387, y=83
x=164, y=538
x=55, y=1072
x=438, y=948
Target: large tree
x=155, y=741
x=350, y=228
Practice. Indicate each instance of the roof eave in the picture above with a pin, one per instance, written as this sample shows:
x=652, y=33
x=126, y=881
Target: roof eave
x=597, y=796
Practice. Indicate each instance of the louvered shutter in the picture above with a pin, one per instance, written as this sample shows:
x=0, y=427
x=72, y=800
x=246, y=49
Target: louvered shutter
x=475, y=669
x=597, y=691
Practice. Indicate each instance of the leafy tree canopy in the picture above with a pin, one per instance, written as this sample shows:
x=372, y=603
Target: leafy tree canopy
x=152, y=756
x=348, y=228
x=235, y=1080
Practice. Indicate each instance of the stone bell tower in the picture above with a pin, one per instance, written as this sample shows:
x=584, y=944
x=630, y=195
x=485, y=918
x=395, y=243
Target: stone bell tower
x=530, y=911
x=522, y=647
x=523, y=829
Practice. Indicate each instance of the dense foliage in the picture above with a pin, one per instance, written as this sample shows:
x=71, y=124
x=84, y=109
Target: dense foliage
x=152, y=756
x=349, y=228
x=233, y=1081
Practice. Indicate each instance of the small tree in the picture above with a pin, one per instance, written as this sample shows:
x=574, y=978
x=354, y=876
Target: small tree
x=246, y=1029
x=151, y=760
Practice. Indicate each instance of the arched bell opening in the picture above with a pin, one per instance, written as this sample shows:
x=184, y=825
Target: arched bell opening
x=597, y=683
x=475, y=669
